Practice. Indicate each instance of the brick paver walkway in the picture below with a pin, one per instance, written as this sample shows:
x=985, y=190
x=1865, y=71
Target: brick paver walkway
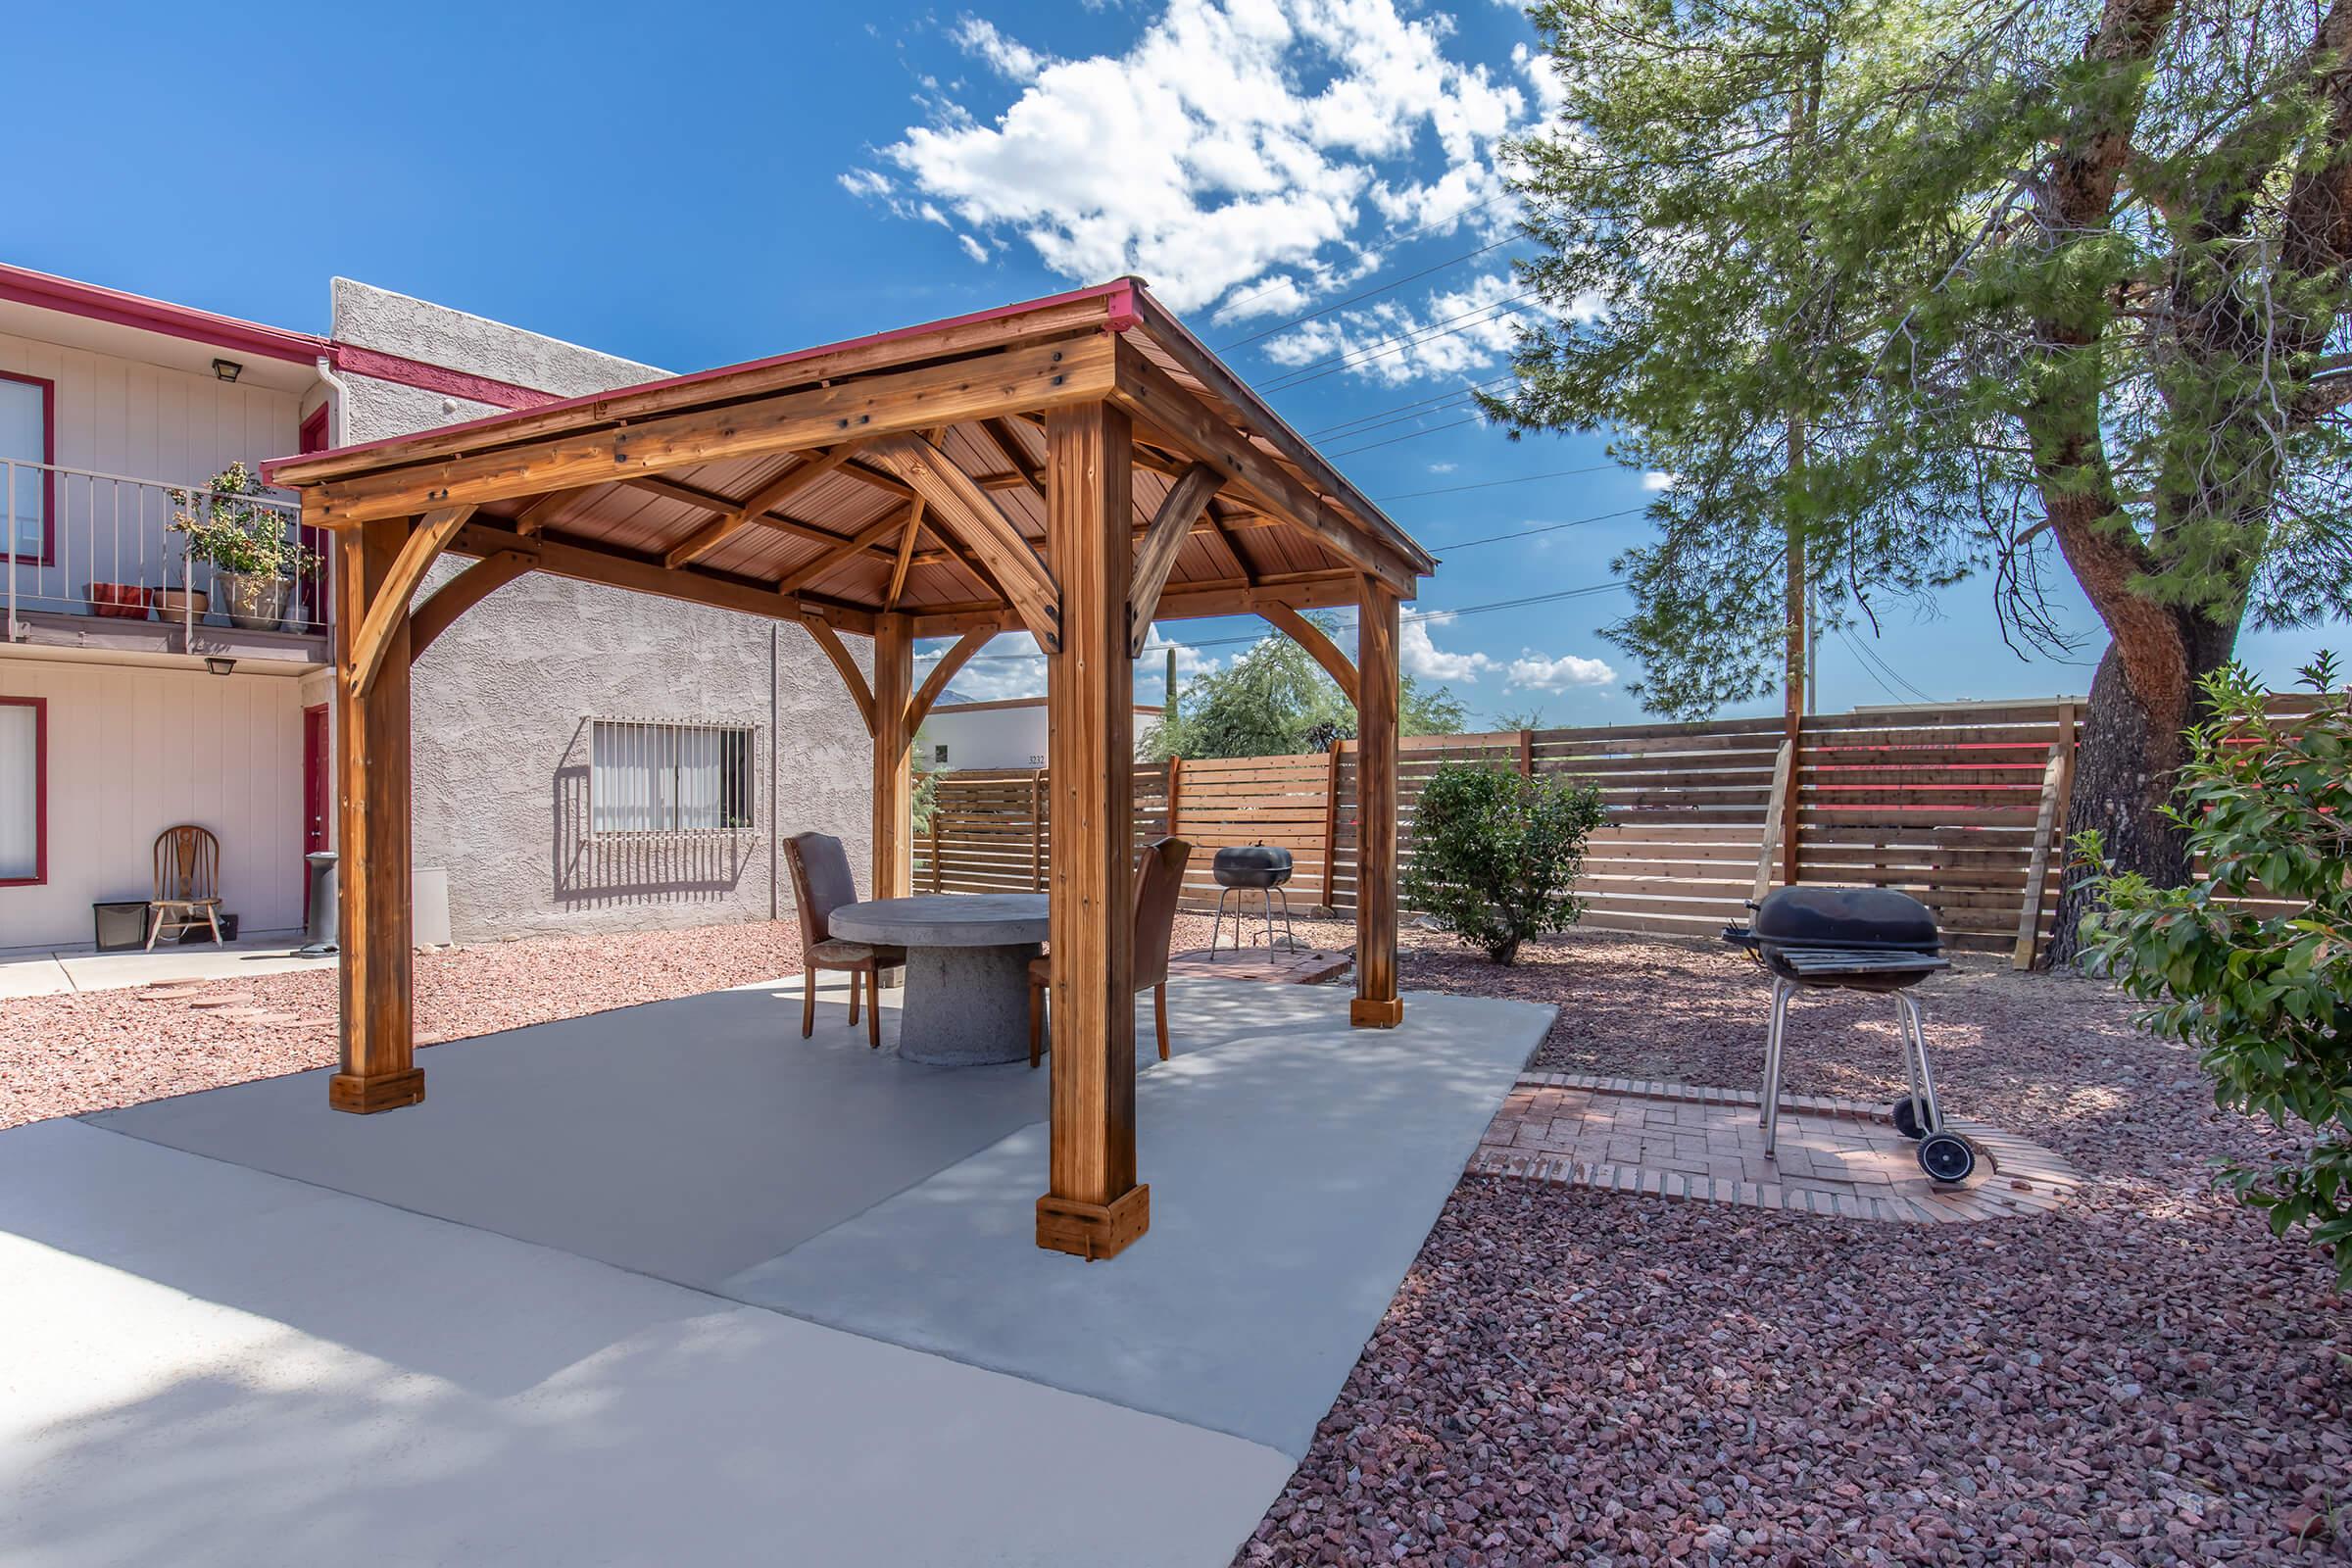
x=1835, y=1157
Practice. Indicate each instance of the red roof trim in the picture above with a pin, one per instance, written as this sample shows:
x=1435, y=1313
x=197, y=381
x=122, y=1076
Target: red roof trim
x=25, y=286
x=382, y=366
x=1123, y=316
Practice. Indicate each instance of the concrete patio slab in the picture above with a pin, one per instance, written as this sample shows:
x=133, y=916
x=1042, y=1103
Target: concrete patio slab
x=686, y=1138
x=1294, y=1171
x=210, y=1365
x=43, y=974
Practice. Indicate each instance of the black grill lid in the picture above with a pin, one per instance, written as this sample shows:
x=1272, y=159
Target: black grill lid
x=1869, y=920
x=1251, y=866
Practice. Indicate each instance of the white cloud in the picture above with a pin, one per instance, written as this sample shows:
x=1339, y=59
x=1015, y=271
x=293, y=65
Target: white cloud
x=1000, y=669
x=1444, y=468
x=1190, y=661
x=1424, y=659
x=1654, y=480
x=972, y=247
x=1532, y=671
x=977, y=36
x=1238, y=148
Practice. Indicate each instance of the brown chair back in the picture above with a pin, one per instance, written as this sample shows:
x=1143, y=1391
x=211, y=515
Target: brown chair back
x=187, y=864
x=820, y=882
x=1158, y=882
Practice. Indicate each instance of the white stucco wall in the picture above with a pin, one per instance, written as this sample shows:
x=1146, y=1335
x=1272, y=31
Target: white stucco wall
x=502, y=700
x=987, y=735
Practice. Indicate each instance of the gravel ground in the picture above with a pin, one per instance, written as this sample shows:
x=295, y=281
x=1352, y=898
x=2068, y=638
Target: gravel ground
x=67, y=1054
x=2145, y=1377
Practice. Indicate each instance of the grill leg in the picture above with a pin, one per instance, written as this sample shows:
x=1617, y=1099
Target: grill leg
x=1217, y=925
x=1265, y=904
x=1919, y=1051
x=1776, y=1043
x=1289, y=932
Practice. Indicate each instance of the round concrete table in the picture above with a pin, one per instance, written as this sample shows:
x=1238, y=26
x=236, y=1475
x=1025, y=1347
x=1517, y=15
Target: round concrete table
x=966, y=1000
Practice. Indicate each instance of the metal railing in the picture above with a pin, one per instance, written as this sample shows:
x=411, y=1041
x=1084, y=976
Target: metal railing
x=77, y=542
x=670, y=779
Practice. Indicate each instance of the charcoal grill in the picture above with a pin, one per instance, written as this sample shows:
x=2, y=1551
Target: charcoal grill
x=1246, y=868
x=1855, y=938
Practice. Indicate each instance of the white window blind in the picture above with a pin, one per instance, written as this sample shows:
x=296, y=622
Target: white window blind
x=654, y=776
x=20, y=792
x=25, y=438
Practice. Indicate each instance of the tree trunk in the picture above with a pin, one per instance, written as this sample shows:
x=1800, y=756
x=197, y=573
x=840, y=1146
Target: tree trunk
x=2125, y=766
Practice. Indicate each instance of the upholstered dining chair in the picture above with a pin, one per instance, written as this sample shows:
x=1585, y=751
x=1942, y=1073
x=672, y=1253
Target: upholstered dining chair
x=1158, y=883
x=821, y=883
x=187, y=883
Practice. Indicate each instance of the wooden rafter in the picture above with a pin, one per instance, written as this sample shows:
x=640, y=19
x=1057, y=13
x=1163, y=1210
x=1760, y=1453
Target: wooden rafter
x=1024, y=470
x=1309, y=636
x=388, y=600
x=536, y=517
x=968, y=512
x=824, y=561
x=905, y=559
x=711, y=501
x=1182, y=506
x=644, y=573
x=462, y=593
x=782, y=488
x=851, y=675
x=1040, y=376
x=1151, y=394
x=953, y=659
x=1323, y=589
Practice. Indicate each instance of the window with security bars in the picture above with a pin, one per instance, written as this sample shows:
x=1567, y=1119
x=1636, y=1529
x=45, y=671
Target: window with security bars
x=649, y=776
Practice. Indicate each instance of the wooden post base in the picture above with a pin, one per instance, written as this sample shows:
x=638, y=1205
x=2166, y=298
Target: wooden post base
x=1094, y=1231
x=348, y=1090
x=1365, y=1013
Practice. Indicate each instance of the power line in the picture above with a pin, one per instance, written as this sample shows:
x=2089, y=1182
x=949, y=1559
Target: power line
x=1398, y=408
x=1349, y=359
x=1488, y=484
x=1409, y=435
x=1355, y=299
x=1549, y=528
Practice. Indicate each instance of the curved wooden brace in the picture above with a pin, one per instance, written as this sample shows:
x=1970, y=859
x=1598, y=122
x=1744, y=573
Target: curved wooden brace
x=462, y=593
x=851, y=675
x=1307, y=635
x=1186, y=501
x=388, y=600
x=957, y=505
x=970, y=643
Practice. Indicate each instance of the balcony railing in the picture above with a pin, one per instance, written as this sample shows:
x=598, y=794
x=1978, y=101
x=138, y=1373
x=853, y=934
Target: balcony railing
x=75, y=542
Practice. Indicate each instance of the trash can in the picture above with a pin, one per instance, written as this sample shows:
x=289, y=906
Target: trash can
x=121, y=925
x=320, y=936
x=201, y=932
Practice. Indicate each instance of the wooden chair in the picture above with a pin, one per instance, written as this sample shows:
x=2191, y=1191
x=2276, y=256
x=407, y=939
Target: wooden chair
x=820, y=884
x=187, y=883
x=1158, y=883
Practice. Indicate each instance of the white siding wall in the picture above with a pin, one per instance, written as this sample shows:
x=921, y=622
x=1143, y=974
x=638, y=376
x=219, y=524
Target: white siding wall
x=126, y=416
x=133, y=751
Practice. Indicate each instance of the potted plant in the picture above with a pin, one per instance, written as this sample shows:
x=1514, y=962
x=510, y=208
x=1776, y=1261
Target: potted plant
x=253, y=556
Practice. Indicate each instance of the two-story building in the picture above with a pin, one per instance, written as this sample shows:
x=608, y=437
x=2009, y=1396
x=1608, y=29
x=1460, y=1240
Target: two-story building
x=625, y=779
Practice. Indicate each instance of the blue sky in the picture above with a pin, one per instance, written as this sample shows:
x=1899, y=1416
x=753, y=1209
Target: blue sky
x=697, y=184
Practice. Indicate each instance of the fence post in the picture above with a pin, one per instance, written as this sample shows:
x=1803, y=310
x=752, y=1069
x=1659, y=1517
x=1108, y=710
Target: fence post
x=1175, y=785
x=1037, y=830
x=1527, y=753
x=937, y=806
x=1331, y=823
x=2049, y=837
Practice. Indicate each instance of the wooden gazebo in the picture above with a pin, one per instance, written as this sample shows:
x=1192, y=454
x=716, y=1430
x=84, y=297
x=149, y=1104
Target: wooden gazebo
x=1075, y=467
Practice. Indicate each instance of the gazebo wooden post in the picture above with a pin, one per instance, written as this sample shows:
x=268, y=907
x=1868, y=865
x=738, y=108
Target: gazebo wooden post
x=372, y=783
x=1093, y=1207
x=1376, y=1004
x=893, y=782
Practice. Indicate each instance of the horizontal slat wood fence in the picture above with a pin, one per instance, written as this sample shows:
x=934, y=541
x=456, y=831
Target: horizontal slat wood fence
x=1963, y=808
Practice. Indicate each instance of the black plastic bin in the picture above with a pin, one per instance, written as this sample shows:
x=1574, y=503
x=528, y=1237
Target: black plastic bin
x=120, y=924
x=200, y=932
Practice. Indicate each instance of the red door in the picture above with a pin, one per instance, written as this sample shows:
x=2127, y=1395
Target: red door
x=313, y=794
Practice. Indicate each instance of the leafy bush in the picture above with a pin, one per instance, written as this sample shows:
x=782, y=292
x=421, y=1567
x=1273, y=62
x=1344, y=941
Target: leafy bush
x=1496, y=854
x=236, y=535
x=2267, y=1000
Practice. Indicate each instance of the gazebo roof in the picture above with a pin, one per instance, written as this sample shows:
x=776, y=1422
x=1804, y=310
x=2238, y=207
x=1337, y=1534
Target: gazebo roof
x=893, y=472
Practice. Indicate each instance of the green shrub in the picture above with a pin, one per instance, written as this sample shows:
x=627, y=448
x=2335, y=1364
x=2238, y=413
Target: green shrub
x=2266, y=1000
x=1496, y=854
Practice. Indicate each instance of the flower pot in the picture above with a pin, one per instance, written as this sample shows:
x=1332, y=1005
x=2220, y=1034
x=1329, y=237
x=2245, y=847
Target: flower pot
x=124, y=601
x=254, y=603
x=178, y=604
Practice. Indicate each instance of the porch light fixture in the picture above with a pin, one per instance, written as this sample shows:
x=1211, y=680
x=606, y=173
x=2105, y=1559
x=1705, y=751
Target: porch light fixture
x=228, y=369
x=219, y=664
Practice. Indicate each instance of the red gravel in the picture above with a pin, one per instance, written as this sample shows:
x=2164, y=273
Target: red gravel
x=2145, y=1377
x=66, y=1055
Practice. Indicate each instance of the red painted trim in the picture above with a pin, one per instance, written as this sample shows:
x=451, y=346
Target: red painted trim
x=40, y=791
x=1121, y=293
x=48, y=555
x=436, y=378
x=311, y=437
x=51, y=293
x=1125, y=313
